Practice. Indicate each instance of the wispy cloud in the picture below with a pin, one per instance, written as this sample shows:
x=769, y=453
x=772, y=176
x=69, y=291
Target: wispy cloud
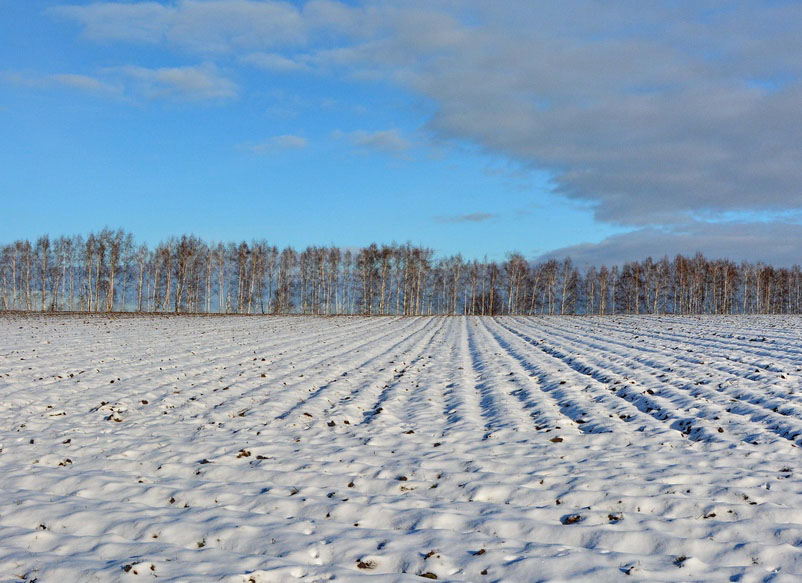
x=105, y=21
x=192, y=83
x=208, y=26
x=468, y=218
x=278, y=144
x=69, y=80
x=84, y=83
x=388, y=141
x=274, y=62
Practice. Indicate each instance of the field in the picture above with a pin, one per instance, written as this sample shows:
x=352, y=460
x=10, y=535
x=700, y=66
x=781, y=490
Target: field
x=280, y=449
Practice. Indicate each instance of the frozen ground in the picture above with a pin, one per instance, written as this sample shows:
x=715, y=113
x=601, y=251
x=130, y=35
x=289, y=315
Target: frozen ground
x=298, y=449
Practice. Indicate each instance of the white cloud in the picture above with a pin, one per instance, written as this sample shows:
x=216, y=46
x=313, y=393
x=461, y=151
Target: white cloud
x=202, y=26
x=194, y=83
x=105, y=21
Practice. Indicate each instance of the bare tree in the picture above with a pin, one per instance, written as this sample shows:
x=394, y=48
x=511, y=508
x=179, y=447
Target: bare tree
x=115, y=243
x=187, y=274
x=141, y=262
x=42, y=252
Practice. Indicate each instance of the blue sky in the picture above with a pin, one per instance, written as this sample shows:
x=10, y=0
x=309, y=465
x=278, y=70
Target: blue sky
x=604, y=131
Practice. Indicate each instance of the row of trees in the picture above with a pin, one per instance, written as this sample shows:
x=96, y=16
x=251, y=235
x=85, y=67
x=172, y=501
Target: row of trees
x=109, y=271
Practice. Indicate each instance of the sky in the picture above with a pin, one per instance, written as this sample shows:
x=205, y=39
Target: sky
x=607, y=131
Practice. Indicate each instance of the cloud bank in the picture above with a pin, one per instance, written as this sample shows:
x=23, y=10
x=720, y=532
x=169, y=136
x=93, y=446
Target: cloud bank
x=776, y=243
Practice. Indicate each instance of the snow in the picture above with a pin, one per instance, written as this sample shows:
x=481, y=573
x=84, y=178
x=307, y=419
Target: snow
x=280, y=449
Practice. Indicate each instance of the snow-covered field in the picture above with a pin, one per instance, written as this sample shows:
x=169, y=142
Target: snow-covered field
x=280, y=449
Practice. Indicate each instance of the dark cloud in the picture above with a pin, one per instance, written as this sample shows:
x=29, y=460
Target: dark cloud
x=776, y=243
x=652, y=113
x=469, y=218
x=629, y=110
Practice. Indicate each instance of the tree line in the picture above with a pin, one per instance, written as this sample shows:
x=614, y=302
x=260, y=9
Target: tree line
x=109, y=271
